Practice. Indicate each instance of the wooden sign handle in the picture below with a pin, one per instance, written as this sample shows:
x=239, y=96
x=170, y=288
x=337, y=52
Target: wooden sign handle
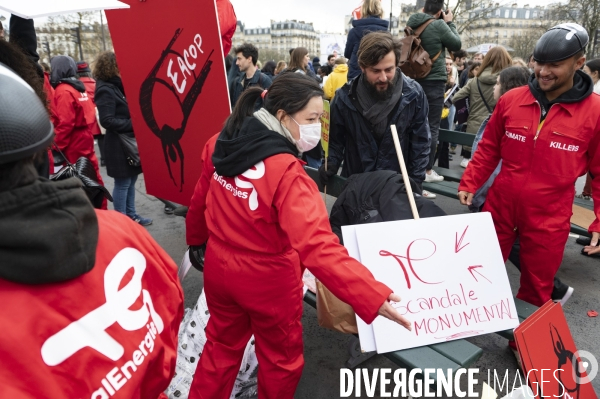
x=409, y=192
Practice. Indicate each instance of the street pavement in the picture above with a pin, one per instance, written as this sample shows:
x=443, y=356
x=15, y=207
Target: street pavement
x=326, y=351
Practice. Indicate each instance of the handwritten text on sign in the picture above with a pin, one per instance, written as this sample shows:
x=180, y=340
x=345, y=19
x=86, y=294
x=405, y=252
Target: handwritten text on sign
x=449, y=273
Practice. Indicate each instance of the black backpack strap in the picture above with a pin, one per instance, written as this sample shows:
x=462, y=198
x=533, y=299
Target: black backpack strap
x=482, y=97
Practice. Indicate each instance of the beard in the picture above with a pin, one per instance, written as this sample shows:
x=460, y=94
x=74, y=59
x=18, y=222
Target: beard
x=382, y=95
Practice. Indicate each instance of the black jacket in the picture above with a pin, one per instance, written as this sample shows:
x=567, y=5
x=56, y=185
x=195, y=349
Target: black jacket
x=237, y=86
x=377, y=197
x=114, y=117
x=351, y=140
x=360, y=28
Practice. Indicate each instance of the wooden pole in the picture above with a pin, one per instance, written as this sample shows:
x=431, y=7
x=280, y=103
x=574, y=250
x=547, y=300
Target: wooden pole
x=409, y=192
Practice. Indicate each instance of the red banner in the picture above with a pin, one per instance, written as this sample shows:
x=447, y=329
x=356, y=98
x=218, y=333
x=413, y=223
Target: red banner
x=170, y=58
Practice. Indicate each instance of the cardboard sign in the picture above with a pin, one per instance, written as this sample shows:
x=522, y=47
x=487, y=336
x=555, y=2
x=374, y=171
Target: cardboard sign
x=42, y=8
x=325, y=128
x=449, y=273
x=170, y=57
x=553, y=365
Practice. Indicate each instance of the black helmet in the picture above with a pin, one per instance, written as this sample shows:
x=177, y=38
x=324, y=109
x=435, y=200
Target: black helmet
x=25, y=127
x=561, y=42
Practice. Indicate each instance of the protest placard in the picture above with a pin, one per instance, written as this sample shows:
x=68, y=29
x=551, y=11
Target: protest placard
x=325, y=128
x=170, y=57
x=449, y=273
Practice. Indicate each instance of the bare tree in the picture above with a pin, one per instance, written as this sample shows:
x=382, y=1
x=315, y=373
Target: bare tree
x=57, y=37
x=276, y=55
x=584, y=12
x=471, y=13
x=525, y=41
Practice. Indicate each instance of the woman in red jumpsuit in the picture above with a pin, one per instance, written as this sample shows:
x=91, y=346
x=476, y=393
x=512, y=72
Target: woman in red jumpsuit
x=265, y=221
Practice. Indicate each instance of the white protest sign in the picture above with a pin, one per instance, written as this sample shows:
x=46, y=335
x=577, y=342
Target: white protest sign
x=43, y=8
x=365, y=331
x=449, y=273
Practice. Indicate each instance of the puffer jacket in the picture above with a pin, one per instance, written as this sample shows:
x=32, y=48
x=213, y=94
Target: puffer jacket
x=478, y=112
x=437, y=36
x=360, y=28
x=351, y=139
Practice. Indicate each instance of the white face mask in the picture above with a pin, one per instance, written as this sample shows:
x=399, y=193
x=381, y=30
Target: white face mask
x=309, y=136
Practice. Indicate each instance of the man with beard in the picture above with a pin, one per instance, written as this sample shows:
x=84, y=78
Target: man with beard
x=363, y=110
x=547, y=134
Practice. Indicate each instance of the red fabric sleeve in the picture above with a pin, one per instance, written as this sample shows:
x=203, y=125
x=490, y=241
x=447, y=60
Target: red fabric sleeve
x=65, y=118
x=303, y=217
x=227, y=23
x=594, y=168
x=487, y=156
x=196, y=232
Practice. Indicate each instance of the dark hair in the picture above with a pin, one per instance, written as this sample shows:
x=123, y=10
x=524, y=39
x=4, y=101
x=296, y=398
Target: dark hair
x=471, y=73
x=290, y=92
x=375, y=46
x=326, y=69
x=529, y=57
x=106, y=66
x=291, y=51
x=45, y=67
x=297, y=59
x=13, y=57
x=248, y=50
x=459, y=54
x=512, y=77
x=594, y=65
x=228, y=62
x=269, y=68
x=84, y=74
x=433, y=6
x=329, y=57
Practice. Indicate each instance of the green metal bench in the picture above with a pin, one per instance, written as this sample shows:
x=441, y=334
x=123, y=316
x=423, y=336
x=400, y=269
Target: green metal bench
x=452, y=355
x=451, y=136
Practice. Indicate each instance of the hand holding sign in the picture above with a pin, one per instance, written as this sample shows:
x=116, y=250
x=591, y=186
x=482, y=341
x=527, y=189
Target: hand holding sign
x=389, y=312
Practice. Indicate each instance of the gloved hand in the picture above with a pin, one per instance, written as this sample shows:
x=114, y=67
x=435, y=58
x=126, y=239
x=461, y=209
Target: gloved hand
x=324, y=175
x=197, y=256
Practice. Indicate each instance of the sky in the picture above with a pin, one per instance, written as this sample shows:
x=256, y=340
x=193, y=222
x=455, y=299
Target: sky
x=326, y=15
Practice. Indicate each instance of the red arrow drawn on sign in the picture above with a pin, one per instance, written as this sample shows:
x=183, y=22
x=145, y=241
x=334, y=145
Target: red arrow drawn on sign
x=473, y=271
x=458, y=242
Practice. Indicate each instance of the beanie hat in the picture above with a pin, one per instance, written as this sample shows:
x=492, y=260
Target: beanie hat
x=83, y=66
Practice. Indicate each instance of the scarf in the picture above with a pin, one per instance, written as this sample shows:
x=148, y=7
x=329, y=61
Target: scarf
x=271, y=122
x=375, y=109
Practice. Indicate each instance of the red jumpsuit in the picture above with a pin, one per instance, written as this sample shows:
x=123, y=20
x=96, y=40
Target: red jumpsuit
x=109, y=333
x=74, y=124
x=264, y=227
x=532, y=197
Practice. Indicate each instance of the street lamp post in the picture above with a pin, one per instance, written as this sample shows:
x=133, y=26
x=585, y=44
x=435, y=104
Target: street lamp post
x=102, y=27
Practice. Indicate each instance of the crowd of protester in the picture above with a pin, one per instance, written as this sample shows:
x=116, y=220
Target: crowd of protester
x=530, y=146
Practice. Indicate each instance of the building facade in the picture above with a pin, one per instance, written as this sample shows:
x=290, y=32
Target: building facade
x=281, y=36
x=491, y=22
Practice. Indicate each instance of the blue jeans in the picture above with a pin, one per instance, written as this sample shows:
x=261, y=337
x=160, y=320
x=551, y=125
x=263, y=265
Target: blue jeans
x=124, y=195
x=313, y=162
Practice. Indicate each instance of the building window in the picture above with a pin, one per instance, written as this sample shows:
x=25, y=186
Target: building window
x=505, y=33
x=498, y=12
x=514, y=14
x=527, y=14
x=506, y=13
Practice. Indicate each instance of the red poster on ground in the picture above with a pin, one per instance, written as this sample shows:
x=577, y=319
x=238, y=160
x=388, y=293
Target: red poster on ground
x=170, y=58
x=553, y=365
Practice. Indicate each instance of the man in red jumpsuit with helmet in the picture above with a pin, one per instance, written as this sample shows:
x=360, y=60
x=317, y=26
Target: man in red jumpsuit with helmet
x=91, y=304
x=547, y=134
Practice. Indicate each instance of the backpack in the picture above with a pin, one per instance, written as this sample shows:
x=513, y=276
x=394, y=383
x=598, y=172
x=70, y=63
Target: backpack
x=414, y=60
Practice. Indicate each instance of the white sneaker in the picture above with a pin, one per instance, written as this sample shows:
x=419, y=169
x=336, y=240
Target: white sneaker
x=566, y=297
x=433, y=177
x=465, y=162
x=427, y=194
